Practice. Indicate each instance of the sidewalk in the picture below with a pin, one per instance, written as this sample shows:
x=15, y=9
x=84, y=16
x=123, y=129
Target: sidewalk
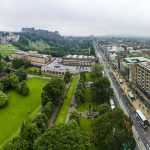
x=136, y=103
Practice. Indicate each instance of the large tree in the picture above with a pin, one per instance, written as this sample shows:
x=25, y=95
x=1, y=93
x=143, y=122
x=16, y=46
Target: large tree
x=53, y=91
x=17, y=63
x=3, y=99
x=29, y=132
x=111, y=131
x=1, y=87
x=63, y=137
x=23, y=88
x=101, y=90
x=21, y=74
x=41, y=121
x=96, y=71
x=13, y=80
x=6, y=83
x=1, y=66
x=16, y=144
x=48, y=108
x=67, y=77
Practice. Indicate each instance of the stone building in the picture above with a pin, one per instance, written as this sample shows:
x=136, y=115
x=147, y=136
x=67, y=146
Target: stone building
x=36, y=59
x=58, y=68
x=127, y=64
x=79, y=60
x=141, y=77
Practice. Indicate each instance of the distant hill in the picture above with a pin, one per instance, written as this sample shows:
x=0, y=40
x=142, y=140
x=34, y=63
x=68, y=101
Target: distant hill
x=53, y=43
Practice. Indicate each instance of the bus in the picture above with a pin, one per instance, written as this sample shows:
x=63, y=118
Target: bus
x=141, y=119
x=112, y=104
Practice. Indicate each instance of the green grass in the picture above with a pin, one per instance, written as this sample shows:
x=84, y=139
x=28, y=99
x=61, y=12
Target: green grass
x=64, y=109
x=7, y=49
x=88, y=98
x=35, y=71
x=20, y=108
x=84, y=106
x=39, y=45
x=85, y=124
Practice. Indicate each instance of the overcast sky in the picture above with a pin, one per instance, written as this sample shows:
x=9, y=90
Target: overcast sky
x=78, y=17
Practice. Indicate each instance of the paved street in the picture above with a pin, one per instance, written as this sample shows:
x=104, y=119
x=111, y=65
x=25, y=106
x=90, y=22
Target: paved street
x=142, y=137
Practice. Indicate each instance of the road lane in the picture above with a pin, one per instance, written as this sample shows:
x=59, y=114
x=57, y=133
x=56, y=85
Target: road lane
x=123, y=102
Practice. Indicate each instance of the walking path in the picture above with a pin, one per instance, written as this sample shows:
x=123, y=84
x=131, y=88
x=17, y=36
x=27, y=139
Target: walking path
x=33, y=76
x=73, y=104
x=55, y=113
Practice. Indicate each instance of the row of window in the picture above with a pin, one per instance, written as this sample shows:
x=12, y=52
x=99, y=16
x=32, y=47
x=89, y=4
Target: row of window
x=54, y=72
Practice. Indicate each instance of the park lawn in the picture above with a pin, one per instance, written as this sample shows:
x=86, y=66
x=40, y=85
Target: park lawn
x=85, y=106
x=7, y=49
x=20, y=108
x=65, y=106
x=85, y=124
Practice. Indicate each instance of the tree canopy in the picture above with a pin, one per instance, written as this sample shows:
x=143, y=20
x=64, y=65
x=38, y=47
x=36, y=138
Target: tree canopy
x=1, y=87
x=23, y=88
x=101, y=90
x=16, y=144
x=3, y=99
x=67, y=77
x=17, y=63
x=21, y=74
x=6, y=83
x=53, y=91
x=111, y=131
x=96, y=71
x=64, y=137
x=13, y=80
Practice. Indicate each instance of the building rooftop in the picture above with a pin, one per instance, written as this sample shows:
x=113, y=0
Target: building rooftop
x=79, y=57
x=136, y=59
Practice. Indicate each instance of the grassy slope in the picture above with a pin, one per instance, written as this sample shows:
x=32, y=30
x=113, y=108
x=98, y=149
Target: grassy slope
x=39, y=45
x=7, y=50
x=64, y=109
x=19, y=108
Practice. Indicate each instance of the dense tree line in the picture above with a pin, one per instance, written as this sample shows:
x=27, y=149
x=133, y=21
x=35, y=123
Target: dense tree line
x=52, y=94
x=101, y=89
x=67, y=77
x=4, y=66
x=18, y=63
x=59, y=45
x=12, y=80
x=112, y=130
x=80, y=90
x=96, y=71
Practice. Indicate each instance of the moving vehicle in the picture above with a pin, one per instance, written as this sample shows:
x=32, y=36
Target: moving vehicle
x=120, y=80
x=131, y=95
x=112, y=104
x=141, y=119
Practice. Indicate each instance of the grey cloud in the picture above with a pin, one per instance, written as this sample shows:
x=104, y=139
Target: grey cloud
x=77, y=17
